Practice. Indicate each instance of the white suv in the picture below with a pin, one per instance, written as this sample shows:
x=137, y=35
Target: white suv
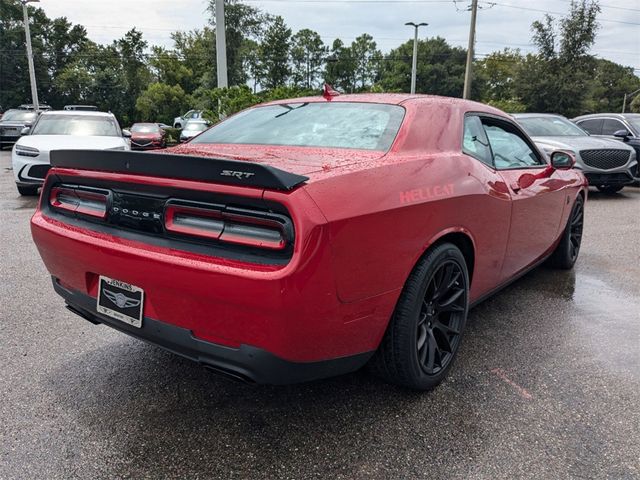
x=62, y=130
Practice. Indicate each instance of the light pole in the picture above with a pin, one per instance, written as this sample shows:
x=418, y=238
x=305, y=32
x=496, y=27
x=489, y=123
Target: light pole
x=221, y=45
x=32, y=71
x=414, y=66
x=624, y=102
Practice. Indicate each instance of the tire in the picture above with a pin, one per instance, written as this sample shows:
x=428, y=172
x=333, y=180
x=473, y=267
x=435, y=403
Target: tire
x=28, y=191
x=610, y=189
x=177, y=126
x=422, y=321
x=566, y=253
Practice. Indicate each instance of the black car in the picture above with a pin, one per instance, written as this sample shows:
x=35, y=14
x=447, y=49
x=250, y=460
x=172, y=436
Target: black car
x=13, y=122
x=621, y=126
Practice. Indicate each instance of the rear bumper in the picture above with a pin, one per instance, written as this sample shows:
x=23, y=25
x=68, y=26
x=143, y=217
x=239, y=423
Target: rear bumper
x=245, y=363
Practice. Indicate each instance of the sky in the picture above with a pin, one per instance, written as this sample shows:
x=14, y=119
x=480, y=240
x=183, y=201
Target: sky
x=500, y=24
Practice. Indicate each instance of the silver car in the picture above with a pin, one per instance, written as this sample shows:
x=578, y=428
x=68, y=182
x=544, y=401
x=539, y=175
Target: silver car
x=608, y=164
x=193, y=128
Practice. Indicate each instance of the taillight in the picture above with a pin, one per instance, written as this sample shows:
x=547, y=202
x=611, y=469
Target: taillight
x=86, y=202
x=231, y=225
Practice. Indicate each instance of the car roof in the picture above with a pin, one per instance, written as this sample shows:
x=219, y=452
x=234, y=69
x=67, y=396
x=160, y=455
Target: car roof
x=609, y=115
x=86, y=113
x=537, y=115
x=385, y=98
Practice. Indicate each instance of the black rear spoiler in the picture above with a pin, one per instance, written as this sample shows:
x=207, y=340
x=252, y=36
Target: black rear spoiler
x=185, y=167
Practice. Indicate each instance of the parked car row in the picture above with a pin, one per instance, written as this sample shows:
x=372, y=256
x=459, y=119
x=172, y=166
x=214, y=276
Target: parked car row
x=608, y=164
x=61, y=130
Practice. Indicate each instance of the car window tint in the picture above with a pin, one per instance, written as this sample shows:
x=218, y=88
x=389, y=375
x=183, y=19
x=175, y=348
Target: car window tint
x=593, y=125
x=475, y=142
x=510, y=150
x=611, y=126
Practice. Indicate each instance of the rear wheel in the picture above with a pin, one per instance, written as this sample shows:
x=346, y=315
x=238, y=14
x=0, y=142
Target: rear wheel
x=566, y=253
x=610, y=189
x=425, y=331
x=28, y=191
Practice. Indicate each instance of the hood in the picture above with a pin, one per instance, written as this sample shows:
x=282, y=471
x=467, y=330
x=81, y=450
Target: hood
x=298, y=160
x=579, y=143
x=70, y=142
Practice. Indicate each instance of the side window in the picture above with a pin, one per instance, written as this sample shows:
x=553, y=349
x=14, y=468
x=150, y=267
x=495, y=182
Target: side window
x=593, y=125
x=611, y=126
x=510, y=149
x=475, y=142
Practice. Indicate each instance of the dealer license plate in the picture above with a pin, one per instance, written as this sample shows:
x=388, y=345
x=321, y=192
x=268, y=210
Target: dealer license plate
x=120, y=300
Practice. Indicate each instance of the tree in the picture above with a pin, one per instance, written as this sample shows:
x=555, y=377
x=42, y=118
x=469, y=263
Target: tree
x=307, y=56
x=196, y=52
x=340, y=70
x=160, y=102
x=608, y=86
x=275, y=54
x=242, y=22
x=497, y=73
x=440, y=68
x=366, y=56
x=556, y=79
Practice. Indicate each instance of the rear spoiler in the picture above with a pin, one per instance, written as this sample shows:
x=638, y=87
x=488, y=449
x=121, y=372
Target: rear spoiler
x=185, y=167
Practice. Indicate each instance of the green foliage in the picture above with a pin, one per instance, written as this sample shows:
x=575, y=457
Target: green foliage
x=138, y=81
x=555, y=79
x=307, y=55
x=635, y=104
x=340, y=70
x=160, y=102
x=275, y=54
x=440, y=68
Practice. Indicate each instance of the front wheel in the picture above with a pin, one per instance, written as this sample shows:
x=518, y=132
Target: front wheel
x=425, y=331
x=566, y=253
x=610, y=189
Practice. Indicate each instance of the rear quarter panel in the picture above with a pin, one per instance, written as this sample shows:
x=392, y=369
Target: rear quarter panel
x=381, y=220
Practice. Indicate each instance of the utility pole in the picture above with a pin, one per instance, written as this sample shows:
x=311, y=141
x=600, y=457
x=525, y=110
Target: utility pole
x=624, y=101
x=221, y=45
x=414, y=65
x=32, y=71
x=472, y=41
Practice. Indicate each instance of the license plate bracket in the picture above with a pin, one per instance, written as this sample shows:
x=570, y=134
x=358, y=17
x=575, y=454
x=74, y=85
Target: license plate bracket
x=120, y=300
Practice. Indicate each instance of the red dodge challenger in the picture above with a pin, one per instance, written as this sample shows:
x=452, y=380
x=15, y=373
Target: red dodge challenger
x=305, y=238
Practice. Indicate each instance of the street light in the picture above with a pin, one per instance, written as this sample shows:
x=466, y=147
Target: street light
x=624, y=102
x=414, y=66
x=32, y=71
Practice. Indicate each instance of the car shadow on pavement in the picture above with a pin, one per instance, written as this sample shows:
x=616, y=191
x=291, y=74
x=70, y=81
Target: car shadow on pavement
x=521, y=382
x=158, y=413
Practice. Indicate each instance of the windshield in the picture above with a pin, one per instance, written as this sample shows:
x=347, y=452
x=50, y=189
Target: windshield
x=195, y=127
x=145, y=128
x=79, y=125
x=20, y=115
x=367, y=126
x=550, y=127
x=635, y=122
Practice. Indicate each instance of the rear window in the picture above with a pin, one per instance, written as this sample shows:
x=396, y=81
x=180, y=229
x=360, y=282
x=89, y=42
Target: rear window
x=366, y=126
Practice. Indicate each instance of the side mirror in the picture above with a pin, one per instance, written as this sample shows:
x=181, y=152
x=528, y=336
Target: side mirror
x=562, y=160
x=622, y=134
x=126, y=133
x=25, y=131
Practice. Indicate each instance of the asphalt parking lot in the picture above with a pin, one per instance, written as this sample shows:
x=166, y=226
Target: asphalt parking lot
x=547, y=385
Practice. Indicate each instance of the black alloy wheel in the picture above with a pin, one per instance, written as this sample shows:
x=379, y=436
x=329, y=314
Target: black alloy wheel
x=441, y=317
x=425, y=330
x=568, y=249
x=575, y=229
